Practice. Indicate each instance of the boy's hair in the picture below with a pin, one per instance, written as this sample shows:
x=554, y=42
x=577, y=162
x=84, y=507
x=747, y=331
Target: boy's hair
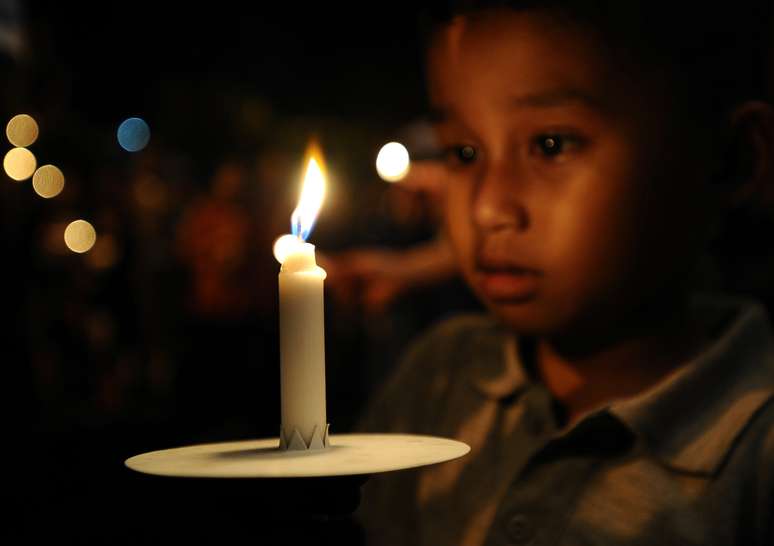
x=717, y=55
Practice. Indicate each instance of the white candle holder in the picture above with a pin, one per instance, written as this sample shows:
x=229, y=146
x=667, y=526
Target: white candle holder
x=346, y=455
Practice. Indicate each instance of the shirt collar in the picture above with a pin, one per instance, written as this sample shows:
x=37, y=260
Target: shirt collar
x=494, y=368
x=691, y=419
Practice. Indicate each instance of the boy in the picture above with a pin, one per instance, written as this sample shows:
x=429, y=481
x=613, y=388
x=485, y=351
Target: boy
x=593, y=149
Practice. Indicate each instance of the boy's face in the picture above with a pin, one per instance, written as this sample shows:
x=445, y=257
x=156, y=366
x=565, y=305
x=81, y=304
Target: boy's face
x=573, y=199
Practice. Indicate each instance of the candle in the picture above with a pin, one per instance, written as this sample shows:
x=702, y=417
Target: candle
x=302, y=339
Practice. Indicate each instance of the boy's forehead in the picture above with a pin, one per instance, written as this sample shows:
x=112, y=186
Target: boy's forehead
x=519, y=59
x=544, y=99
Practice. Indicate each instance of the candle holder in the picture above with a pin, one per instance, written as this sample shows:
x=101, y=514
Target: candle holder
x=345, y=455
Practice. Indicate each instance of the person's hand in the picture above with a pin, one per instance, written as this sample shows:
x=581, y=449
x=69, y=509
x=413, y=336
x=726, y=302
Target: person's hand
x=317, y=498
x=372, y=278
x=367, y=278
x=284, y=509
x=427, y=176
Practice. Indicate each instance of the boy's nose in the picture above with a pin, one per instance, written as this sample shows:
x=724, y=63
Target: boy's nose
x=498, y=203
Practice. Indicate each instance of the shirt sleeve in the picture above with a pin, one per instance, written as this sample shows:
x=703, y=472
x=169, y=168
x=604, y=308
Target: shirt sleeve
x=409, y=402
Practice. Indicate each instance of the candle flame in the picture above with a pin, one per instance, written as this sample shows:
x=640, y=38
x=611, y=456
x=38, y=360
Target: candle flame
x=312, y=195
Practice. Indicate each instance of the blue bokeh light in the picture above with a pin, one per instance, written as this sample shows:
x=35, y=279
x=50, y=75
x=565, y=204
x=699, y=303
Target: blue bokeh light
x=133, y=134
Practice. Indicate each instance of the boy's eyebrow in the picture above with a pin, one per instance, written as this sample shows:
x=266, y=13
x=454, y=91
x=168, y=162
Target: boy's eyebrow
x=543, y=99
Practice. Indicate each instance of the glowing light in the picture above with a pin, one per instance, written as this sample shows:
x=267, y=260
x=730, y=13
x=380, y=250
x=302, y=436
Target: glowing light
x=312, y=195
x=150, y=193
x=22, y=130
x=48, y=181
x=52, y=240
x=19, y=164
x=133, y=134
x=392, y=162
x=79, y=236
x=284, y=245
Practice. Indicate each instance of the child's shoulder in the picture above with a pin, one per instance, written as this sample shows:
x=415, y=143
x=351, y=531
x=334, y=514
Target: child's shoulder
x=438, y=361
x=719, y=406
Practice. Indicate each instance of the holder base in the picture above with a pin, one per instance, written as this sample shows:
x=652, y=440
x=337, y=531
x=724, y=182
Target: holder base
x=347, y=455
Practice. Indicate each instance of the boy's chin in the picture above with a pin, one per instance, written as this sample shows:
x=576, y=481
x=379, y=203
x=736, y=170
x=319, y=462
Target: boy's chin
x=524, y=317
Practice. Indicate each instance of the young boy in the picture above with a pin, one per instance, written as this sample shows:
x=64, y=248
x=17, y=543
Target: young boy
x=593, y=149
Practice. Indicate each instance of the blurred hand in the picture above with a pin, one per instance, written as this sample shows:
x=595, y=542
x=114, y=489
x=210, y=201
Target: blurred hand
x=372, y=278
x=369, y=278
x=425, y=176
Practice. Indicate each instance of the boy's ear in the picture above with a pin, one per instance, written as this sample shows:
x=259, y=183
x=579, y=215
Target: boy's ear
x=749, y=172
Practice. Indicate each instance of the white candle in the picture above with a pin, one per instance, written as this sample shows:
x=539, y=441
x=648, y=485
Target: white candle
x=302, y=344
x=302, y=336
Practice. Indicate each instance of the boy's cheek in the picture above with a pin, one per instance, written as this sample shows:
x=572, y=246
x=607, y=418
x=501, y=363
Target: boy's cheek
x=458, y=218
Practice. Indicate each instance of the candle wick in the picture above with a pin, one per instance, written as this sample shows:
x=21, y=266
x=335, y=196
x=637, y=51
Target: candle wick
x=297, y=227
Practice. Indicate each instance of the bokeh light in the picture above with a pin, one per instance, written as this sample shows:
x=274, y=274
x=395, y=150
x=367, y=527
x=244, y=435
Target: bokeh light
x=22, y=130
x=19, y=164
x=392, y=162
x=150, y=193
x=133, y=134
x=284, y=245
x=48, y=181
x=79, y=236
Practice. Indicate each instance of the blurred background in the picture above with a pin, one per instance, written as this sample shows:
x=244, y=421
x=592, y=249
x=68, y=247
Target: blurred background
x=165, y=332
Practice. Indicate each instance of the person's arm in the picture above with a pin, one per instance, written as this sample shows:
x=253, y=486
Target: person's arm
x=376, y=276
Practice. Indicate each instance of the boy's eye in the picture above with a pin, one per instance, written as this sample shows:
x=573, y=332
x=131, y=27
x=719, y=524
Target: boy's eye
x=553, y=145
x=467, y=154
x=461, y=154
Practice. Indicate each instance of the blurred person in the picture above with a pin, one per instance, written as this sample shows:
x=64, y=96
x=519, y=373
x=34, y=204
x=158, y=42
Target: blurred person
x=212, y=240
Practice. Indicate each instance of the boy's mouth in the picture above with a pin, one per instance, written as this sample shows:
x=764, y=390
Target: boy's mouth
x=506, y=283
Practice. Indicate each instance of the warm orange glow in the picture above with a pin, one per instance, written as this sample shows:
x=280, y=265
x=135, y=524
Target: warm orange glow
x=312, y=193
x=51, y=239
x=104, y=255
